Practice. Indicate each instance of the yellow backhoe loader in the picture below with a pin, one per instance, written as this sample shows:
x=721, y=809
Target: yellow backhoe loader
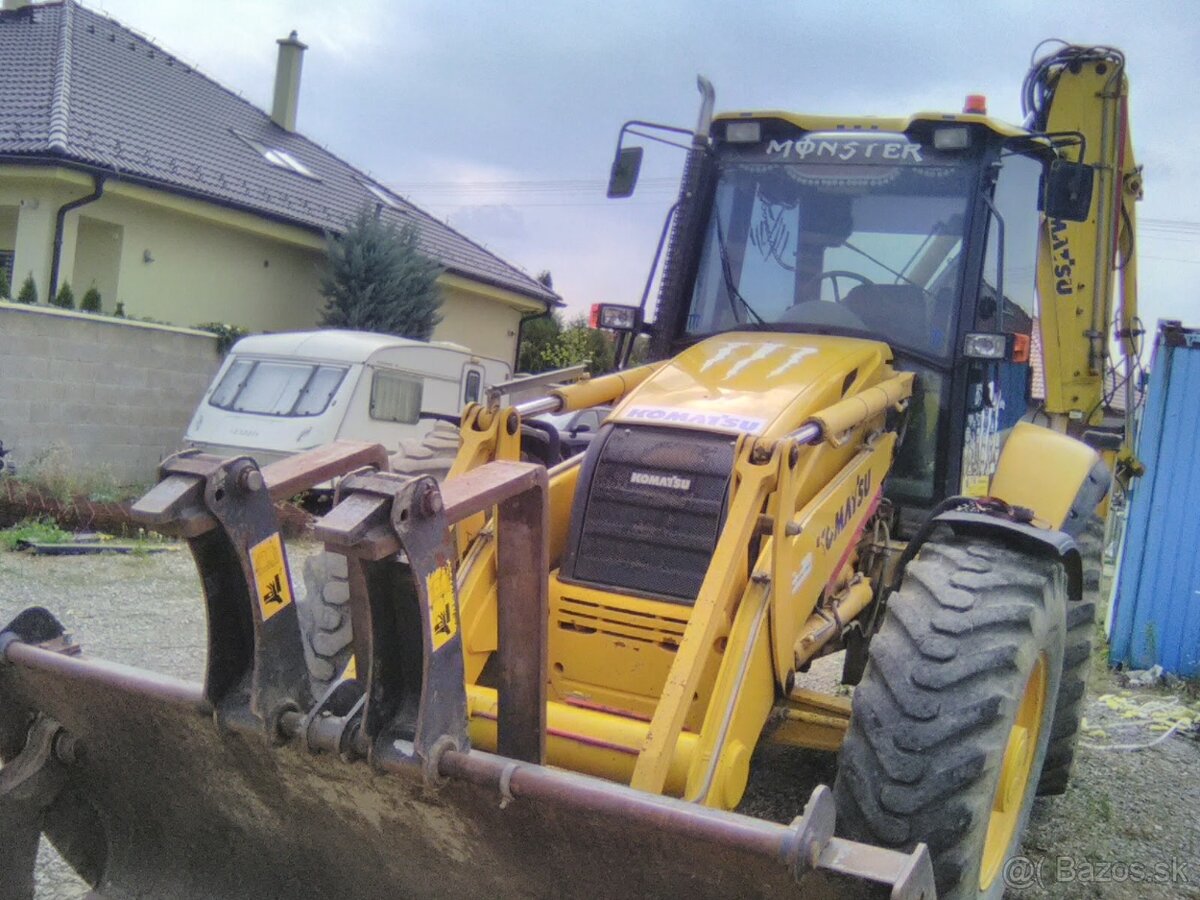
x=558, y=679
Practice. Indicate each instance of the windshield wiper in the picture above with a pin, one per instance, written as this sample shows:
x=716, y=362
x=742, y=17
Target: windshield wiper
x=727, y=273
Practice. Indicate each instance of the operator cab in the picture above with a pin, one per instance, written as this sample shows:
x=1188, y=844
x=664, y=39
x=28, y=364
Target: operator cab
x=902, y=231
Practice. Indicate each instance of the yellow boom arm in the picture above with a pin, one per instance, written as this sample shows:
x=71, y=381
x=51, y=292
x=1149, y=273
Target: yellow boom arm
x=1087, y=278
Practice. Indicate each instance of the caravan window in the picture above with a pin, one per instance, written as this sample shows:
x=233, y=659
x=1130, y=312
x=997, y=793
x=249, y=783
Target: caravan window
x=277, y=389
x=396, y=398
x=473, y=386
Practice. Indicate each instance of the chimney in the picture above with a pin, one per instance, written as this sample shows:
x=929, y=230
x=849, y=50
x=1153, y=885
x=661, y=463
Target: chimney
x=287, y=81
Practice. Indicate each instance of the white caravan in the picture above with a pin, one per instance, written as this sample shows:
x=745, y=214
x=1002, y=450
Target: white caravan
x=279, y=394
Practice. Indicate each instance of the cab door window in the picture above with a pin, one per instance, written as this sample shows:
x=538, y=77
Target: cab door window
x=1016, y=201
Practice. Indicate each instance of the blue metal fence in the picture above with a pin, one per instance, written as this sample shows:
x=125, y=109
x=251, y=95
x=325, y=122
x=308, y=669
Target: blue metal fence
x=1156, y=611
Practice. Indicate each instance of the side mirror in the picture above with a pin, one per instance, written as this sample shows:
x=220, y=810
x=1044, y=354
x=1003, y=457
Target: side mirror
x=1068, y=191
x=623, y=177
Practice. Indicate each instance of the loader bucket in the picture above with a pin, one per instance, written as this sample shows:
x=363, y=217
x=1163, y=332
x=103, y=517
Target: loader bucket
x=244, y=787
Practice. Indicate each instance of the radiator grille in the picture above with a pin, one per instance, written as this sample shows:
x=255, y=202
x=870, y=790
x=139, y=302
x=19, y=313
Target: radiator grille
x=655, y=504
x=574, y=614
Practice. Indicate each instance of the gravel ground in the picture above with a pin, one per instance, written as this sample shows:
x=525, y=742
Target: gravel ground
x=1128, y=827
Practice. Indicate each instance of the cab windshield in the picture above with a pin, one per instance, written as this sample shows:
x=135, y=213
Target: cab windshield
x=852, y=234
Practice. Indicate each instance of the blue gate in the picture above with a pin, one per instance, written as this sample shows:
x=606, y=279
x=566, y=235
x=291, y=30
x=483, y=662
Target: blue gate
x=1156, y=611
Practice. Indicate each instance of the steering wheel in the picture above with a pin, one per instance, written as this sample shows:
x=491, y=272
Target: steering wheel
x=818, y=312
x=834, y=274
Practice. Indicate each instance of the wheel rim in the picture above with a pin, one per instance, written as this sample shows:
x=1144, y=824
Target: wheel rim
x=1015, y=771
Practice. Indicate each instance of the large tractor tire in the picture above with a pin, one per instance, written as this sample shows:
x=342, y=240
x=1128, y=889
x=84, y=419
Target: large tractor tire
x=1068, y=711
x=1090, y=543
x=951, y=723
x=324, y=614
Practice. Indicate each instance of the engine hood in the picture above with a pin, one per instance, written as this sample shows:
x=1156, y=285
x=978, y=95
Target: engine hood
x=758, y=383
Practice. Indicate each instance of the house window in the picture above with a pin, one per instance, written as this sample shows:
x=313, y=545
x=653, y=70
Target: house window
x=276, y=157
x=395, y=398
x=381, y=195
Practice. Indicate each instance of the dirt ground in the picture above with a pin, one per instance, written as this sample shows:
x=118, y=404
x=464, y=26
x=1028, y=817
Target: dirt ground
x=1128, y=827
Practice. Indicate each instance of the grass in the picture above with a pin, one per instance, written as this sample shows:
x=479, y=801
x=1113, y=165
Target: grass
x=45, y=531
x=54, y=471
x=33, y=530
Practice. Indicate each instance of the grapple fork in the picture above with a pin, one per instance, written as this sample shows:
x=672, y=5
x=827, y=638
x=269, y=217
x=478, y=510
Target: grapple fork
x=244, y=787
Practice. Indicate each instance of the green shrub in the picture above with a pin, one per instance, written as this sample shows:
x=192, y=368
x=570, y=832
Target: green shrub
x=65, y=298
x=119, y=312
x=42, y=530
x=28, y=292
x=91, y=301
x=227, y=335
x=5, y=287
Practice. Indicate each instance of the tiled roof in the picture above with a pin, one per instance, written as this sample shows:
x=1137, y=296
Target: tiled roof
x=76, y=86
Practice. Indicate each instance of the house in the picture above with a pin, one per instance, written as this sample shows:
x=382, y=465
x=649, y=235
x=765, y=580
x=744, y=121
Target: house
x=124, y=168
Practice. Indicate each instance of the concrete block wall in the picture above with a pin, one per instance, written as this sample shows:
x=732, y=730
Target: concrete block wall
x=118, y=394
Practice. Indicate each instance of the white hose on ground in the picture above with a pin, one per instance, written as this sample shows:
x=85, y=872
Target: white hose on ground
x=1131, y=747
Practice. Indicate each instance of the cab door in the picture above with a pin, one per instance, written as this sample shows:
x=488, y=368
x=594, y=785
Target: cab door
x=1001, y=392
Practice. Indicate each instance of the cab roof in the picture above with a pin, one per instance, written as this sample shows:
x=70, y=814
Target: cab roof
x=874, y=123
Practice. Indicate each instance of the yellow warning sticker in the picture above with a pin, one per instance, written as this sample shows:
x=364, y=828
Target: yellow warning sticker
x=442, y=616
x=270, y=576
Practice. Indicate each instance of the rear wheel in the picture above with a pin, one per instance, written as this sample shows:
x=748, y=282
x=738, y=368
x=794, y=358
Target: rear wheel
x=1068, y=711
x=324, y=612
x=1090, y=543
x=951, y=722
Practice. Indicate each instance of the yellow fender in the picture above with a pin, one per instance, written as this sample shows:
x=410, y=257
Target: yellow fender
x=1061, y=479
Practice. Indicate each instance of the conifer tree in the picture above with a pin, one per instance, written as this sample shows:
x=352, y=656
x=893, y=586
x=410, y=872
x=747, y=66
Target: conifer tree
x=65, y=297
x=28, y=292
x=377, y=279
x=91, y=301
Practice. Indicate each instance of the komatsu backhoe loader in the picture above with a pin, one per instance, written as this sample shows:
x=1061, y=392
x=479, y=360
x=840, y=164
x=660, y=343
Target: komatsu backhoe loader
x=558, y=678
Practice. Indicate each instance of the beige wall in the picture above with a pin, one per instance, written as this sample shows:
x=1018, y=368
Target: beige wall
x=97, y=263
x=487, y=327
x=35, y=204
x=184, y=270
x=186, y=262
x=118, y=395
x=164, y=263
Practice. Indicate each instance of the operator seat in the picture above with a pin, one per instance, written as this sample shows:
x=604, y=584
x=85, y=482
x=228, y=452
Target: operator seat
x=893, y=310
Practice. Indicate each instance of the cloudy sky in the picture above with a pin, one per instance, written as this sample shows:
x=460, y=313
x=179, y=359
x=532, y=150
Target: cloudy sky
x=501, y=117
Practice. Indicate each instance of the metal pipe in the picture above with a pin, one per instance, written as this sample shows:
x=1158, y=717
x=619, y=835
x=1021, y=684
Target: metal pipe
x=123, y=678
x=623, y=360
x=708, y=98
x=821, y=627
x=59, y=222
x=581, y=792
x=551, y=404
x=809, y=433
